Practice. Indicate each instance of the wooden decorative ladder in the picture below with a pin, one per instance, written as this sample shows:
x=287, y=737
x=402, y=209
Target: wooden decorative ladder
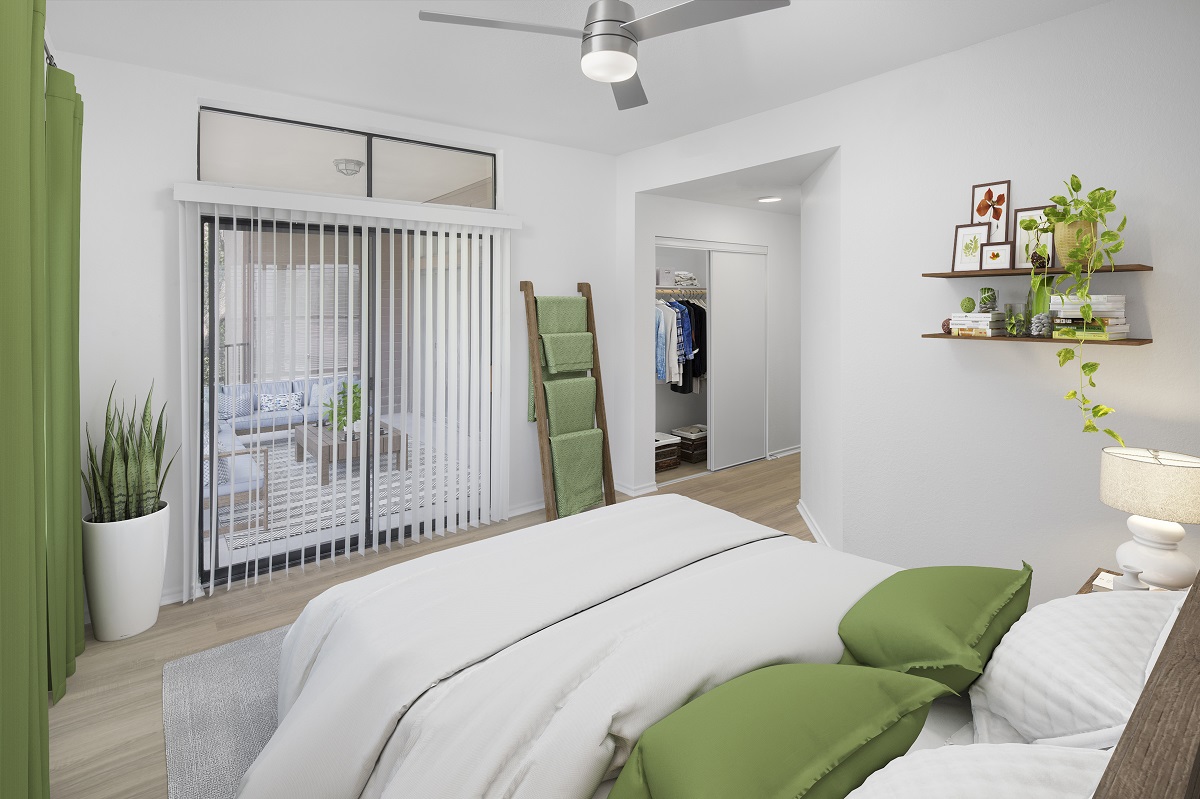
x=539, y=396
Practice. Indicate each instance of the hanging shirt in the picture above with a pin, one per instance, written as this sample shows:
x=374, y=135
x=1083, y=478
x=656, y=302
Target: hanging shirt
x=685, y=321
x=660, y=345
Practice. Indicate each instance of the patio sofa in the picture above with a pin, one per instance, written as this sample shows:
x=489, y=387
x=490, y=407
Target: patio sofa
x=241, y=479
x=239, y=404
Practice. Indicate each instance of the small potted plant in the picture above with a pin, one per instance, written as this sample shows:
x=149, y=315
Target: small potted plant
x=347, y=411
x=125, y=535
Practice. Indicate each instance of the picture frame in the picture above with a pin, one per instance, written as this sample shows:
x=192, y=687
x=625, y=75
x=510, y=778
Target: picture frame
x=990, y=203
x=1022, y=238
x=968, y=246
x=996, y=256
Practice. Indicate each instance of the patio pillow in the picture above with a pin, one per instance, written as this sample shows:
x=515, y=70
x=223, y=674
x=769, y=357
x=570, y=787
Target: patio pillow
x=940, y=622
x=291, y=401
x=230, y=405
x=781, y=732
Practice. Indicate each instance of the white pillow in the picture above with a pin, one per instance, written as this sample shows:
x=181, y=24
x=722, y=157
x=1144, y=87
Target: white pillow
x=1162, y=636
x=1070, y=671
x=988, y=772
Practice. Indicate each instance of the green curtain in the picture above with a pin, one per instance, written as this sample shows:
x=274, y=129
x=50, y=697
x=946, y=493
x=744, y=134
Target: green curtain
x=64, y=598
x=41, y=559
x=24, y=755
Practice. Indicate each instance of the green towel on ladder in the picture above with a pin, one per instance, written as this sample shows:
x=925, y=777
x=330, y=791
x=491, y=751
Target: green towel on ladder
x=547, y=378
x=561, y=314
x=557, y=315
x=566, y=352
x=571, y=405
x=578, y=460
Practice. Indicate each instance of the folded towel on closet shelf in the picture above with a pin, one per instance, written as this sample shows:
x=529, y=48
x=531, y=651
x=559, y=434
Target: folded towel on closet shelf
x=578, y=460
x=566, y=352
x=571, y=405
x=562, y=314
x=685, y=279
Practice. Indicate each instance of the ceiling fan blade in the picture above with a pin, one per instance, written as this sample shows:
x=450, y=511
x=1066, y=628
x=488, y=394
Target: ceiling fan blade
x=696, y=13
x=502, y=24
x=629, y=93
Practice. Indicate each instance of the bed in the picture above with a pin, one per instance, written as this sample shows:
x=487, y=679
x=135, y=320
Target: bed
x=529, y=664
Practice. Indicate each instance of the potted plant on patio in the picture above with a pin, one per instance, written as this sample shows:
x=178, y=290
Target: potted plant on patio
x=125, y=535
x=346, y=414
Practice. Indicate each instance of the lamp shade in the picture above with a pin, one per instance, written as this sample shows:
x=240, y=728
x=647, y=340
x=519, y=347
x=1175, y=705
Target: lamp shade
x=1151, y=483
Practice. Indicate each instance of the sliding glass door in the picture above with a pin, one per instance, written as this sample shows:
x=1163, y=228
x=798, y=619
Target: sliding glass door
x=347, y=378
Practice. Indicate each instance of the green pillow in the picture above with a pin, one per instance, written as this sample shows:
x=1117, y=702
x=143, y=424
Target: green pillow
x=782, y=732
x=940, y=622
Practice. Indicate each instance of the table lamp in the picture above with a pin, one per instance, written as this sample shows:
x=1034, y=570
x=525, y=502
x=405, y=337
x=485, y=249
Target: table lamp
x=1161, y=490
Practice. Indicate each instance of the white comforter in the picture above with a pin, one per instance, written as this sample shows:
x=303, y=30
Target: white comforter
x=527, y=665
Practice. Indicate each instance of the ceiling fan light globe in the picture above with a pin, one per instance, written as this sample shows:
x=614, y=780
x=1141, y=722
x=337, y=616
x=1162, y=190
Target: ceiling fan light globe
x=608, y=66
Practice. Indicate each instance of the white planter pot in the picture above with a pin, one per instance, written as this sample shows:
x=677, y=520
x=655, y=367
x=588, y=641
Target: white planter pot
x=123, y=567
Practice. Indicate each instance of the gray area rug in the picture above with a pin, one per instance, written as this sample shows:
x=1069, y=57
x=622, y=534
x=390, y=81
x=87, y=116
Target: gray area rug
x=219, y=711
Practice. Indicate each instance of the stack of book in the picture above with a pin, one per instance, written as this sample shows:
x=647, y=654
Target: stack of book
x=978, y=325
x=1108, y=318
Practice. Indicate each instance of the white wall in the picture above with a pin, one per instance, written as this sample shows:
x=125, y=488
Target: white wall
x=140, y=138
x=963, y=452
x=821, y=475
x=780, y=234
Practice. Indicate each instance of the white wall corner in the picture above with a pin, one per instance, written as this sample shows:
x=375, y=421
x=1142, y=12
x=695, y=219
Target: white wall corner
x=811, y=522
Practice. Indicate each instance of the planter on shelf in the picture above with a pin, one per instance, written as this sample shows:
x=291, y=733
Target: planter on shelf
x=1066, y=237
x=124, y=563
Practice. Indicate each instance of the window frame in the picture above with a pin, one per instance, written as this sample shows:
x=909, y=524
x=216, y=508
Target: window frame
x=370, y=137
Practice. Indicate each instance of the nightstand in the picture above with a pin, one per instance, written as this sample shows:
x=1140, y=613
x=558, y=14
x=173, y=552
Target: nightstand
x=1090, y=586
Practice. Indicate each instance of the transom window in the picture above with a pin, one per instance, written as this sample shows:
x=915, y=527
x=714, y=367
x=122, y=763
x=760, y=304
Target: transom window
x=252, y=150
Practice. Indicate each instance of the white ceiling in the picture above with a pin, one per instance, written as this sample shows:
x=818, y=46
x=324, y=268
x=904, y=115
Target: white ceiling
x=744, y=187
x=378, y=55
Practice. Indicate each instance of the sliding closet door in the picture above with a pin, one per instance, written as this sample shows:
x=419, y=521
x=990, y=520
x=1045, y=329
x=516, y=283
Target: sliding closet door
x=737, y=366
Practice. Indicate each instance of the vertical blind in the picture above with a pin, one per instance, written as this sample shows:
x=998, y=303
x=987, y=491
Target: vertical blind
x=411, y=314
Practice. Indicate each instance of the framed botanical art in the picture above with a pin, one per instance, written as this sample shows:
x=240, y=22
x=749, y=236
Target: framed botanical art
x=990, y=204
x=996, y=255
x=1029, y=253
x=968, y=246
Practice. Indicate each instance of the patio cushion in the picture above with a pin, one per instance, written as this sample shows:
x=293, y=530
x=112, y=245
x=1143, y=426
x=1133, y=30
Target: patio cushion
x=234, y=401
x=266, y=421
x=272, y=388
x=241, y=472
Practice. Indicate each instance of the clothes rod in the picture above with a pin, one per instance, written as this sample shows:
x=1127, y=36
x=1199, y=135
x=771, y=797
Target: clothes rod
x=680, y=290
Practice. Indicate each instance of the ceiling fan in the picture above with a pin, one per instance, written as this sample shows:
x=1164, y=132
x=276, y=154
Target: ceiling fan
x=611, y=34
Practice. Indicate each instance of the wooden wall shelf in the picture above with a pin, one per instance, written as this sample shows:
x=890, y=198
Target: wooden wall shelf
x=1064, y=342
x=990, y=273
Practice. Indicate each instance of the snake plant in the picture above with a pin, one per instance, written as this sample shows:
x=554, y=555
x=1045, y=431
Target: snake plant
x=125, y=479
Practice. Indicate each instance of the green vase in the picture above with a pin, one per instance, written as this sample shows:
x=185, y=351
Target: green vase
x=1037, y=310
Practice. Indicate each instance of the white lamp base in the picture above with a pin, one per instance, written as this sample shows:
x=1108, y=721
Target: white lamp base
x=1154, y=551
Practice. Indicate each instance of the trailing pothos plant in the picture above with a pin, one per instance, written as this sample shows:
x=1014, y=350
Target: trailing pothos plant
x=1094, y=244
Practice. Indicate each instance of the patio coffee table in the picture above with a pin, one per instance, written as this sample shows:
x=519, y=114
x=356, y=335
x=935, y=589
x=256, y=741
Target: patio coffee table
x=330, y=448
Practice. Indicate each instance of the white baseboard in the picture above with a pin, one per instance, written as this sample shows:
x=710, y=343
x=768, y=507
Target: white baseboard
x=636, y=491
x=528, y=507
x=783, y=453
x=813, y=527
x=173, y=597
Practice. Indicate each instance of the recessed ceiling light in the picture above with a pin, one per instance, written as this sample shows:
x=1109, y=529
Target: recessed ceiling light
x=769, y=199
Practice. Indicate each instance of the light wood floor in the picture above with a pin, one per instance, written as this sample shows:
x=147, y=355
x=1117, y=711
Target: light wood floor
x=106, y=734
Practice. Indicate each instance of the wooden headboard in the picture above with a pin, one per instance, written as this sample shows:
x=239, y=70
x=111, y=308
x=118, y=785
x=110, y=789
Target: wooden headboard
x=1158, y=756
